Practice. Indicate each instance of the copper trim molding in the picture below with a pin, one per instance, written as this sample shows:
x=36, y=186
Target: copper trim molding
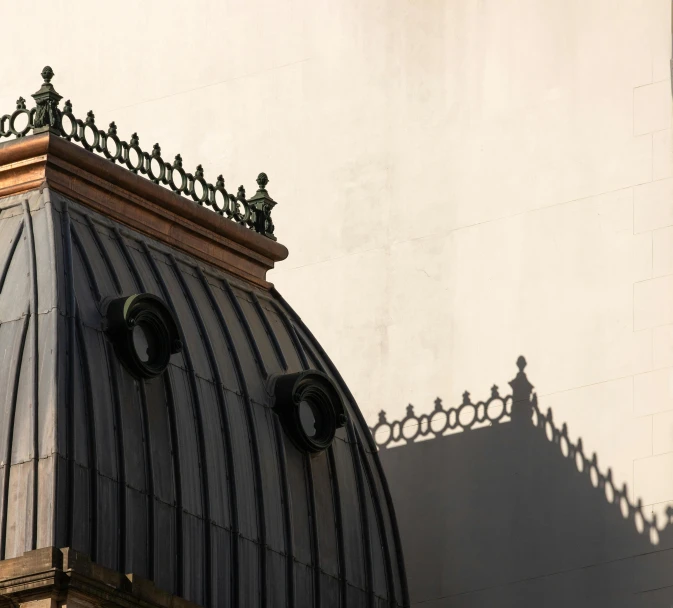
x=47, y=117
x=45, y=159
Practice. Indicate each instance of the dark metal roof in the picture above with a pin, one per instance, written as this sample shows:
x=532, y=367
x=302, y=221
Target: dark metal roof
x=188, y=478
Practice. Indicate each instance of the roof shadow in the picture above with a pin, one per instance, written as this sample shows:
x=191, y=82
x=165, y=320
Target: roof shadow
x=497, y=507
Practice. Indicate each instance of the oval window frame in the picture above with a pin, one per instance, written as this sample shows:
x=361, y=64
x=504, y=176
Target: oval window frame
x=125, y=314
x=318, y=389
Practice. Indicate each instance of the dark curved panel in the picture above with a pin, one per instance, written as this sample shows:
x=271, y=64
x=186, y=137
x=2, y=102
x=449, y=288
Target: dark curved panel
x=189, y=478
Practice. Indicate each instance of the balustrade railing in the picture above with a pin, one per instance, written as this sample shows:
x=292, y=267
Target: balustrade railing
x=46, y=116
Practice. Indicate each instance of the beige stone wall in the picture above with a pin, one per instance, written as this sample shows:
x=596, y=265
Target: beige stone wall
x=459, y=182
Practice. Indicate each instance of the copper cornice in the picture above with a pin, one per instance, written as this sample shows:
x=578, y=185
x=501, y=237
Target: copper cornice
x=45, y=159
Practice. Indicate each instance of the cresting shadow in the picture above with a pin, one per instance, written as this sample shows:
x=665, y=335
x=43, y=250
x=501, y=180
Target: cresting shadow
x=507, y=511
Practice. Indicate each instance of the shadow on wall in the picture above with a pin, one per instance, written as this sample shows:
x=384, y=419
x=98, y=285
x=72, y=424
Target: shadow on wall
x=497, y=508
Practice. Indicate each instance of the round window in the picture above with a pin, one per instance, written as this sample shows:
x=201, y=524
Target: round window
x=309, y=407
x=144, y=333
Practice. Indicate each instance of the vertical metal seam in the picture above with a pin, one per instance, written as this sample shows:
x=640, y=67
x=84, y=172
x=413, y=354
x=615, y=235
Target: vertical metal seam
x=92, y=455
x=292, y=333
x=196, y=409
x=269, y=331
x=364, y=516
x=355, y=454
x=390, y=585
x=10, y=434
x=396, y=531
x=10, y=254
x=250, y=418
x=225, y=430
x=373, y=450
x=104, y=254
x=175, y=450
x=335, y=491
x=70, y=387
x=315, y=545
x=129, y=260
x=338, y=522
x=285, y=487
x=331, y=464
x=246, y=328
x=149, y=476
x=35, y=369
x=287, y=514
x=177, y=477
x=91, y=275
x=121, y=460
x=51, y=247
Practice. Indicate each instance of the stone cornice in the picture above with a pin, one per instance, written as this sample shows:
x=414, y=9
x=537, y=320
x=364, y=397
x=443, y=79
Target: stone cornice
x=45, y=159
x=62, y=575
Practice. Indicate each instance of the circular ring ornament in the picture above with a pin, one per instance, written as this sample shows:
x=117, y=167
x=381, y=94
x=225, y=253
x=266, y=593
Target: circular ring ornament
x=144, y=333
x=309, y=407
x=118, y=147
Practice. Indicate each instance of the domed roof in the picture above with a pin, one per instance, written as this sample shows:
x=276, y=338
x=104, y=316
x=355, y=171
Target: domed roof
x=189, y=478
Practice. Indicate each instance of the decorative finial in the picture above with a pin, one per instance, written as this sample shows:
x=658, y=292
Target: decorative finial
x=112, y=130
x=466, y=398
x=67, y=107
x=262, y=181
x=47, y=117
x=410, y=411
x=494, y=391
x=156, y=150
x=20, y=103
x=90, y=118
x=438, y=405
x=47, y=74
x=383, y=420
x=134, y=139
x=521, y=363
x=262, y=204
